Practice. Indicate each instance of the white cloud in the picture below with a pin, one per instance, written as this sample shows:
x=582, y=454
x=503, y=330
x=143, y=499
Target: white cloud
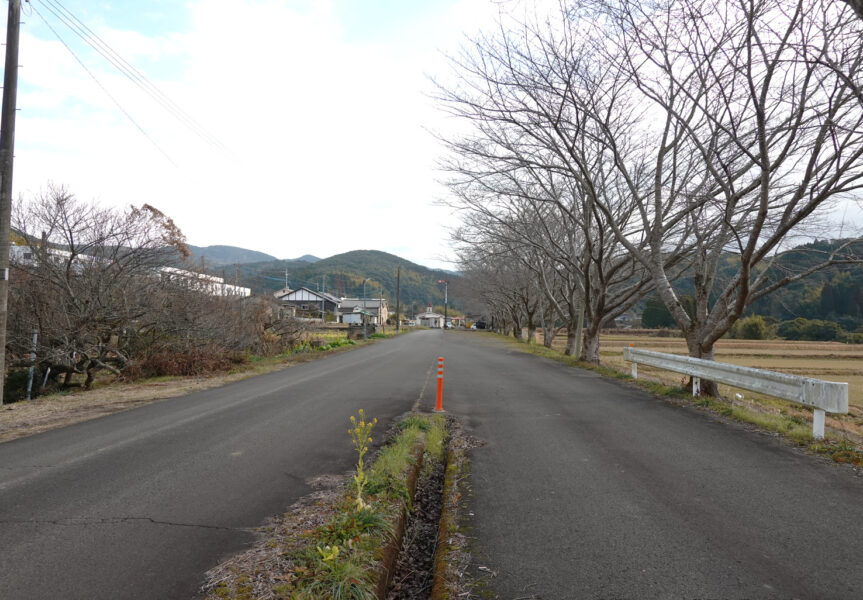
x=328, y=151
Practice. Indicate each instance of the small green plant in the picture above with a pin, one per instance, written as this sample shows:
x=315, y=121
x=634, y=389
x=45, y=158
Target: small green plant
x=329, y=553
x=361, y=432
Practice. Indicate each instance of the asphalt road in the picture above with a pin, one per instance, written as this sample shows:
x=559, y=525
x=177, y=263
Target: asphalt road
x=590, y=488
x=586, y=488
x=140, y=504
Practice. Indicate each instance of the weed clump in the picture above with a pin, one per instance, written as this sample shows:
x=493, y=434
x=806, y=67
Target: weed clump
x=341, y=559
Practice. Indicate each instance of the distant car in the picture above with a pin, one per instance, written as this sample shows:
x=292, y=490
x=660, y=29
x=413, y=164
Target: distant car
x=473, y=326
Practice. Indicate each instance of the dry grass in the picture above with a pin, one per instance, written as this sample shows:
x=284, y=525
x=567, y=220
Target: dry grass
x=831, y=361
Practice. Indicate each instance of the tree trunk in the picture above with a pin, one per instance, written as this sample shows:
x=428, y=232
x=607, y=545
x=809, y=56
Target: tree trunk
x=517, y=331
x=697, y=350
x=88, y=382
x=591, y=345
x=572, y=341
x=531, y=333
x=547, y=330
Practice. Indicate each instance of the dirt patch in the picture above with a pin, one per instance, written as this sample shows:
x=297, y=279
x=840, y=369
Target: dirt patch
x=257, y=571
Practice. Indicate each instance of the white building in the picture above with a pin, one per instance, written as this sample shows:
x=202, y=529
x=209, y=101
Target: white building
x=376, y=308
x=430, y=319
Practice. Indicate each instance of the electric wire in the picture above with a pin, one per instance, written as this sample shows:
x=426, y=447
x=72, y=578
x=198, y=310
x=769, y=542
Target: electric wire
x=103, y=88
x=130, y=71
x=80, y=29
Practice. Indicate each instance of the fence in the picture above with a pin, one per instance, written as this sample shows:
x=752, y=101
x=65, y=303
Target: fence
x=823, y=396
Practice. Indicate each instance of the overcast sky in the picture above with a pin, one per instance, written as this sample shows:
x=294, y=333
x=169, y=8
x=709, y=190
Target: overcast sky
x=322, y=106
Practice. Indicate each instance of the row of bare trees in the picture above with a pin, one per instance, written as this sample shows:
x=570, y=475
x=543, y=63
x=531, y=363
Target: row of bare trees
x=91, y=283
x=612, y=147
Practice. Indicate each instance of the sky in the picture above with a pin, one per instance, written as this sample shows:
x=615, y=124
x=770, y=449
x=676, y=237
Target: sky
x=320, y=111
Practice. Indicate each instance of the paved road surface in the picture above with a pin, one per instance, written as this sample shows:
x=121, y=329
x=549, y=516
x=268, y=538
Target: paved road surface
x=589, y=488
x=586, y=489
x=140, y=504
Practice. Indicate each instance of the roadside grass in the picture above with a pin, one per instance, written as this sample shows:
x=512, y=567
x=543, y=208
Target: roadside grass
x=790, y=421
x=342, y=558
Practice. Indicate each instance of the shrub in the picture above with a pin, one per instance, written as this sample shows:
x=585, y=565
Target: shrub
x=854, y=338
x=15, y=389
x=809, y=329
x=193, y=362
x=749, y=328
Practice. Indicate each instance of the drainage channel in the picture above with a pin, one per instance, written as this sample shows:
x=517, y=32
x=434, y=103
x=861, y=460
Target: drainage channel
x=413, y=573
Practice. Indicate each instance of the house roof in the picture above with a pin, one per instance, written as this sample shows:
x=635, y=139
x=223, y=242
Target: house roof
x=350, y=303
x=296, y=296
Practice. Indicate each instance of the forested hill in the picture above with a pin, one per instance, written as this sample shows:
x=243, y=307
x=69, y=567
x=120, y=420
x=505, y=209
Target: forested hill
x=343, y=275
x=833, y=294
x=216, y=256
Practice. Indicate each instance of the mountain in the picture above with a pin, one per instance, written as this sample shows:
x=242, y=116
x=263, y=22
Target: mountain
x=228, y=255
x=343, y=275
x=306, y=258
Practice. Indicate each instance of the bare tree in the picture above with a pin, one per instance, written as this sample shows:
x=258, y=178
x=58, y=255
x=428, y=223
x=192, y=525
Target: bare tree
x=767, y=135
x=722, y=131
x=532, y=168
x=102, y=289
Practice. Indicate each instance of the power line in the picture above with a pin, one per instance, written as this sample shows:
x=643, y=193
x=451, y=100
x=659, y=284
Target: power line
x=103, y=88
x=79, y=28
x=129, y=70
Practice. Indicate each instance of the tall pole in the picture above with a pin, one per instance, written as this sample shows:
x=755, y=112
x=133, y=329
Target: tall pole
x=7, y=153
x=445, y=303
x=398, y=299
x=445, y=286
x=365, y=316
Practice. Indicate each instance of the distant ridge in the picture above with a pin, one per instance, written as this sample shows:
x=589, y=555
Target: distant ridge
x=343, y=275
x=228, y=255
x=305, y=258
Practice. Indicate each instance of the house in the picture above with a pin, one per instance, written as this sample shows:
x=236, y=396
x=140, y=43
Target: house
x=309, y=302
x=376, y=308
x=430, y=319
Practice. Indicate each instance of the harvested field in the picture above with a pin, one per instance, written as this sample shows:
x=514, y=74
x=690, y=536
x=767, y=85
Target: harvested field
x=831, y=361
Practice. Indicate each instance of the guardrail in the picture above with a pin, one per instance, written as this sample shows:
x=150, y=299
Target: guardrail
x=823, y=396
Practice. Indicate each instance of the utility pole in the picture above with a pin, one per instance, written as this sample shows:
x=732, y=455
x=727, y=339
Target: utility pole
x=365, y=316
x=398, y=299
x=7, y=153
x=445, y=286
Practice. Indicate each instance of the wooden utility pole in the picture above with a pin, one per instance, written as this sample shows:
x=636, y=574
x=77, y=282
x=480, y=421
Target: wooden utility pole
x=7, y=153
x=398, y=298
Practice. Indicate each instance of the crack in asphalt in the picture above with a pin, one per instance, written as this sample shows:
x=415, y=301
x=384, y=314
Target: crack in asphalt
x=117, y=521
